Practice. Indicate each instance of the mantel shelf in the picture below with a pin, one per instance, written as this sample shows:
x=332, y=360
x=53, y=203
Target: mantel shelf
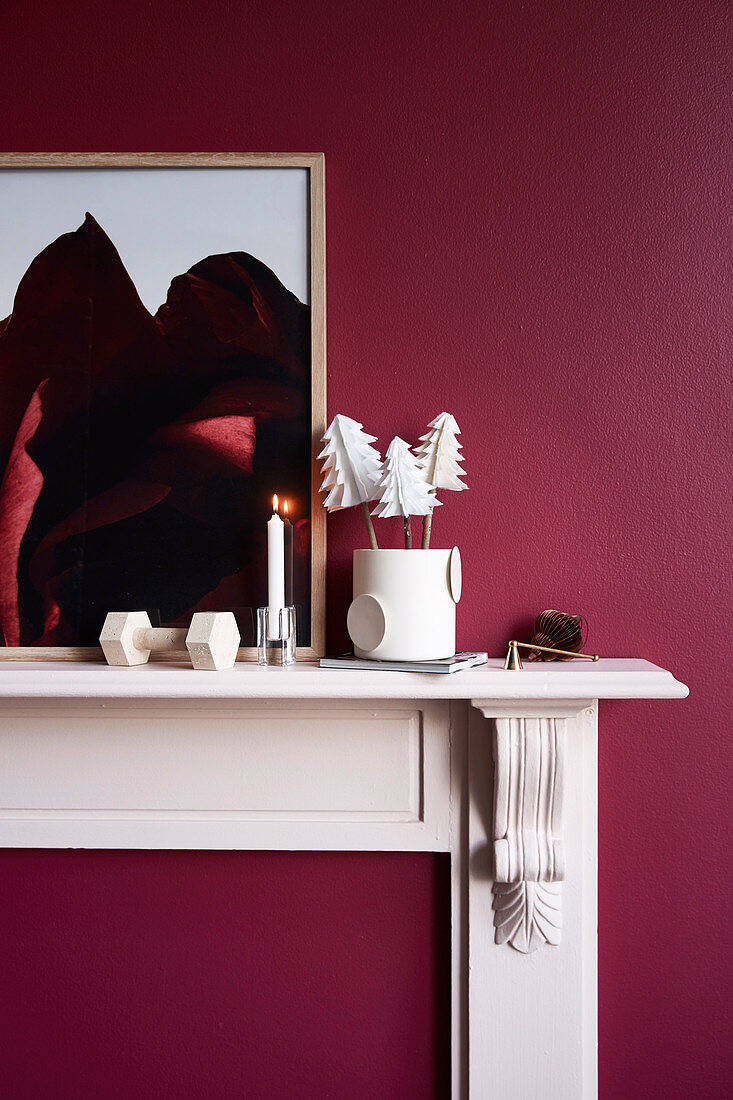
x=164, y=757
x=605, y=679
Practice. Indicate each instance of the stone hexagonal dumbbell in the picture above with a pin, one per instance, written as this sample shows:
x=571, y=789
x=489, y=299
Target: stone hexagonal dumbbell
x=212, y=640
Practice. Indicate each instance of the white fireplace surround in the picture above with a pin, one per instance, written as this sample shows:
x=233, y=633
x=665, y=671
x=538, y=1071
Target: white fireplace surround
x=496, y=768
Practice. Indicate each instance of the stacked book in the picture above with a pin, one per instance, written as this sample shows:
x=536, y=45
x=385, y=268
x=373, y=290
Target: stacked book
x=455, y=663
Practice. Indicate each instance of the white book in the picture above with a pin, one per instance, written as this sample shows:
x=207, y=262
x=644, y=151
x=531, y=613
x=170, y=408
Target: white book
x=447, y=664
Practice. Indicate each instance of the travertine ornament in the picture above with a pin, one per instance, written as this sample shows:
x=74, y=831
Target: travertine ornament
x=212, y=640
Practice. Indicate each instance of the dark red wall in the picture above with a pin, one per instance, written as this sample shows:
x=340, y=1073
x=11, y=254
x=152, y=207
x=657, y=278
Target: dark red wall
x=224, y=976
x=526, y=226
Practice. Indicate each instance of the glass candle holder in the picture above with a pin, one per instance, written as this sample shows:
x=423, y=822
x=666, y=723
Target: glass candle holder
x=276, y=636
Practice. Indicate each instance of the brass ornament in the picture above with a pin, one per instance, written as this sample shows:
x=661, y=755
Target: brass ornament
x=555, y=631
x=513, y=662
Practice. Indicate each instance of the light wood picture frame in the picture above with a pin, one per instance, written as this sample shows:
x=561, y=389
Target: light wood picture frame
x=310, y=535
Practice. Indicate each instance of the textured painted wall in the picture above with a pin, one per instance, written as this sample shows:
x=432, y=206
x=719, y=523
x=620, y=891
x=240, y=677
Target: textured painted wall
x=528, y=225
x=224, y=975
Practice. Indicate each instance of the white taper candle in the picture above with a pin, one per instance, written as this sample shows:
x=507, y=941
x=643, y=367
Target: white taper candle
x=275, y=560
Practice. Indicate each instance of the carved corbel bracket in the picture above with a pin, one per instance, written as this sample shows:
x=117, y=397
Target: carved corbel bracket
x=529, y=857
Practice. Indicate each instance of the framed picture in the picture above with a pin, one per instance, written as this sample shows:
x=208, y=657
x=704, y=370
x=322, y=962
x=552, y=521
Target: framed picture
x=162, y=378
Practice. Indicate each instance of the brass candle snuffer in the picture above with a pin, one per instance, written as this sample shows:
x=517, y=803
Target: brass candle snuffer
x=514, y=661
x=559, y=630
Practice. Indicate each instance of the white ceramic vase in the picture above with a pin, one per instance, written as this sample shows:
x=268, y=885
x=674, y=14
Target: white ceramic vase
x=404, y=606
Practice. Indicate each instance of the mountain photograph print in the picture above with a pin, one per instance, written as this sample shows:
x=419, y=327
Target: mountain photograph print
x=142, y=440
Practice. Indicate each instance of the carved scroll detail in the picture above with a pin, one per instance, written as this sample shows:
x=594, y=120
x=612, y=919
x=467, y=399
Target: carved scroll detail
x=529, y=857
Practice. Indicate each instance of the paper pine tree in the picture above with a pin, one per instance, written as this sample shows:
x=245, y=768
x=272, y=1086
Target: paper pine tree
x=403, y=490
x=404, y=484
x=351, y=468
x=438, y=454
x=439, y=458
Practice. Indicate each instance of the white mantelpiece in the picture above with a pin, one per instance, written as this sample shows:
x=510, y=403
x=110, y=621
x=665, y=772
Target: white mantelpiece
x=529, y=856
x=605, y=679
x=161, y=756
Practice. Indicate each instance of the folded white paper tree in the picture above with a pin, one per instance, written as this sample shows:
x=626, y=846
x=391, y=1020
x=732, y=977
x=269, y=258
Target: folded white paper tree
x=405, y=484
x=403, y=490
x=439, y=458
x=351, y=469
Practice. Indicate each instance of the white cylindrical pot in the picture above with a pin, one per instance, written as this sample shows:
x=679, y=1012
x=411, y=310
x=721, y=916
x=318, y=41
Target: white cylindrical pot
x=404, y=606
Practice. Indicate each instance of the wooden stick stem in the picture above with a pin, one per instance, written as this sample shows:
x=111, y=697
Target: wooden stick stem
x=408, y=533
x=369, y=526
x=427, y=526
x=427, y=523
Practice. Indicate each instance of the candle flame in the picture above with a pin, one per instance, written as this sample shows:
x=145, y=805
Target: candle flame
x=275, y=507
x=285, y=507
